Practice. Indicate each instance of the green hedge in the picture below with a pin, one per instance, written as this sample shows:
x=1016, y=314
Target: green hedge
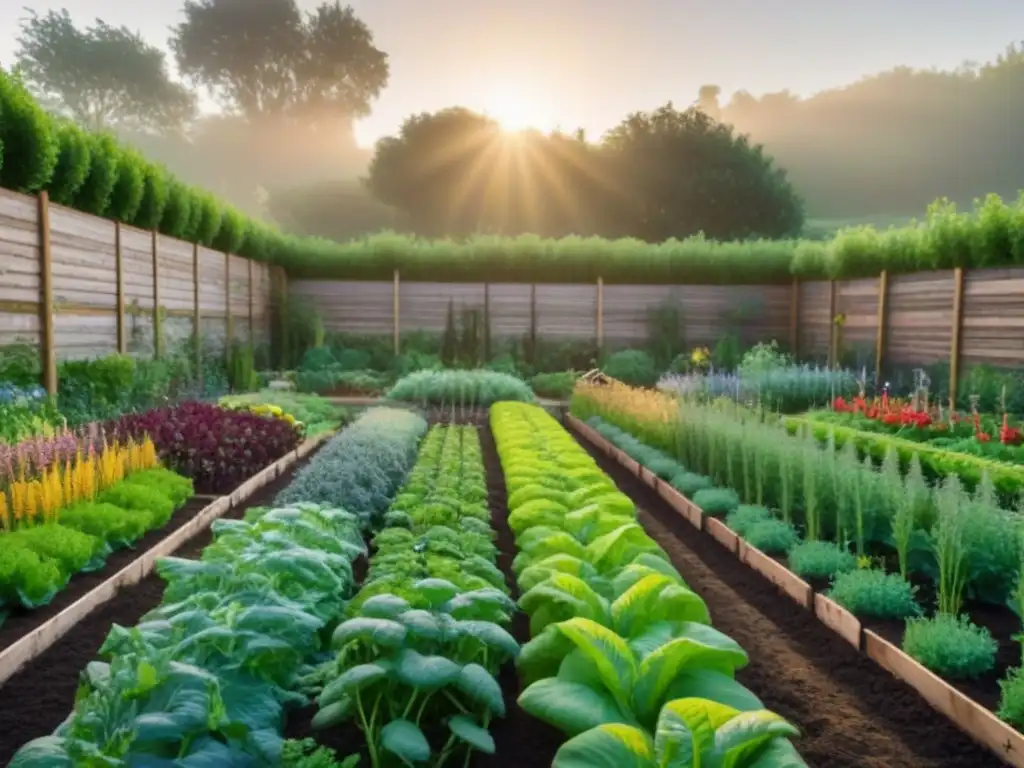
x=96, y=174
x=936, y=462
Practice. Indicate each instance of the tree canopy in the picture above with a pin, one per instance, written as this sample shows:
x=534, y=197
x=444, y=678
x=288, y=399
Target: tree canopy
x=657, y=175
x=267, y=59
x=100, y=76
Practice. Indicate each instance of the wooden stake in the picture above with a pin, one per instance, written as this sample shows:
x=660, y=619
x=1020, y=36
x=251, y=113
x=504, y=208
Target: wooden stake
x=794, y=319
x=47, y=349
x=832, y=352
x=227, y=299
x=883, y=300
x=122, y=334
x=252, y=315
x=197, y=322
x=158, y=342
x=954, y=345
x=395, y=301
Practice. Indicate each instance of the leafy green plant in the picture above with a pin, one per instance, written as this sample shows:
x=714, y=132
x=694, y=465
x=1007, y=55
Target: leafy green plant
x=306, y=753
x=745, y=516
x=363, y=467
x=951, y=646
x=1011, y=699
x=690, y=483
x=773, y=537
x=690, y=732
x=820, y=560
x=632, y=366
x=875, y=593
x=473, y=388
x=716, y=502
x=557, y=386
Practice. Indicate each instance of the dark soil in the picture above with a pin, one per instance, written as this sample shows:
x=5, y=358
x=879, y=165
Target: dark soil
x=1003, y=623
x=520, y=740
x=38, y=699
x=851, y=712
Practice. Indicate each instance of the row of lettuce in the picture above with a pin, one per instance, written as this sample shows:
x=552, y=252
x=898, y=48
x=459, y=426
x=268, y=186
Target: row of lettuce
x=207, y=675
x=623, y=658
x=889, y=541
x=68, y=499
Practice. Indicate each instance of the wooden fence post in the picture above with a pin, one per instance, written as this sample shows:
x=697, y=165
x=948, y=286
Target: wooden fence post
x=832, y=351
x=954, y=345
x=282, y=277
x=197, y=322
x=533, y=321
x=397, y=323
x=158, y=342
x=47, y=349
x=487, y=322
x=122, y=334
x=794, y=319
x=252, y=315
x=600, y=314
x=227, y=303
x=883, y=300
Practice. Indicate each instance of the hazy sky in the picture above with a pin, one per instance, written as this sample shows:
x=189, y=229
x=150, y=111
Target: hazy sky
x=589, y=62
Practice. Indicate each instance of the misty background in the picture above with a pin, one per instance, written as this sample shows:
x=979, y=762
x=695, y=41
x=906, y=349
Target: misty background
x=873, y=110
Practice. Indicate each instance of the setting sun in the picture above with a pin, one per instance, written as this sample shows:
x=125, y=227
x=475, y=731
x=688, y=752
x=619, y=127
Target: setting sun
x=516, y=110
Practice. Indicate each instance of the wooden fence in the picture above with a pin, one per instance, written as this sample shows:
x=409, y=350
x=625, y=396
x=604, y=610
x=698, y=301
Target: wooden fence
x=611, y=315
x=81, y=286
x=956, y=316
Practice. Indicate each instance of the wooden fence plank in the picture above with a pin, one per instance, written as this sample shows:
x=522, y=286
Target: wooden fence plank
x=47, y=348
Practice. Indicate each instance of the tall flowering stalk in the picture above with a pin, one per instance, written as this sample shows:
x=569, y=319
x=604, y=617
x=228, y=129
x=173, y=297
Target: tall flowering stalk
x=33, y=500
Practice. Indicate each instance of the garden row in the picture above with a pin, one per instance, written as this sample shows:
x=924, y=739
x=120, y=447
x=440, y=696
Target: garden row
x=927, y=566
x=207, y=675
x=623, y=659
x=414, y=679
x=74, y=505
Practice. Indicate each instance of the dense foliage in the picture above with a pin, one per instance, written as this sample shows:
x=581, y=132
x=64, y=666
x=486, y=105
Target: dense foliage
x=622, y=649
x=425, y=637
x=218, y=448
x=205, y=677
x=470, y=389
x=315, y=414
x=361, y=468
x=38, y=558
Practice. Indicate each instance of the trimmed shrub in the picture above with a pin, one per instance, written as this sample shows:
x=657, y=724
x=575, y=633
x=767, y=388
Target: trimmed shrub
x=716, y=502
x=745, y=516
x=126, y=197
x=876, y=594
x=29, y=140
x=95, y=193
x=631, y=366
x=773, y=537
x=210, y=215
x=820, y=560
x=689, y=483
x=154, y=197
x=231, y=233
x=72, y=167
x=951, y=646
x=177, y=211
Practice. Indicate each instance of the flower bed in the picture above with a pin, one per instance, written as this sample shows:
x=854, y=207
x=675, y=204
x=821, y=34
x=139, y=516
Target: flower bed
x=64, y=516
x=312, y=414
x=617, y=636
x=218, y=448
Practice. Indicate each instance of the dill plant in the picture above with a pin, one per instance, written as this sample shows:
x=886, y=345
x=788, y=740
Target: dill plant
x=948, y=540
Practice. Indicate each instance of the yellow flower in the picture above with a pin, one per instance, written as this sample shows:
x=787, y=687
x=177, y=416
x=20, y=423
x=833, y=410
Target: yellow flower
x=289, y=418
x=275, y=410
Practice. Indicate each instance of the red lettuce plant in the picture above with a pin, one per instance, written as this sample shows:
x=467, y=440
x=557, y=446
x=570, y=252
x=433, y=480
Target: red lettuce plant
x=216, y=447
